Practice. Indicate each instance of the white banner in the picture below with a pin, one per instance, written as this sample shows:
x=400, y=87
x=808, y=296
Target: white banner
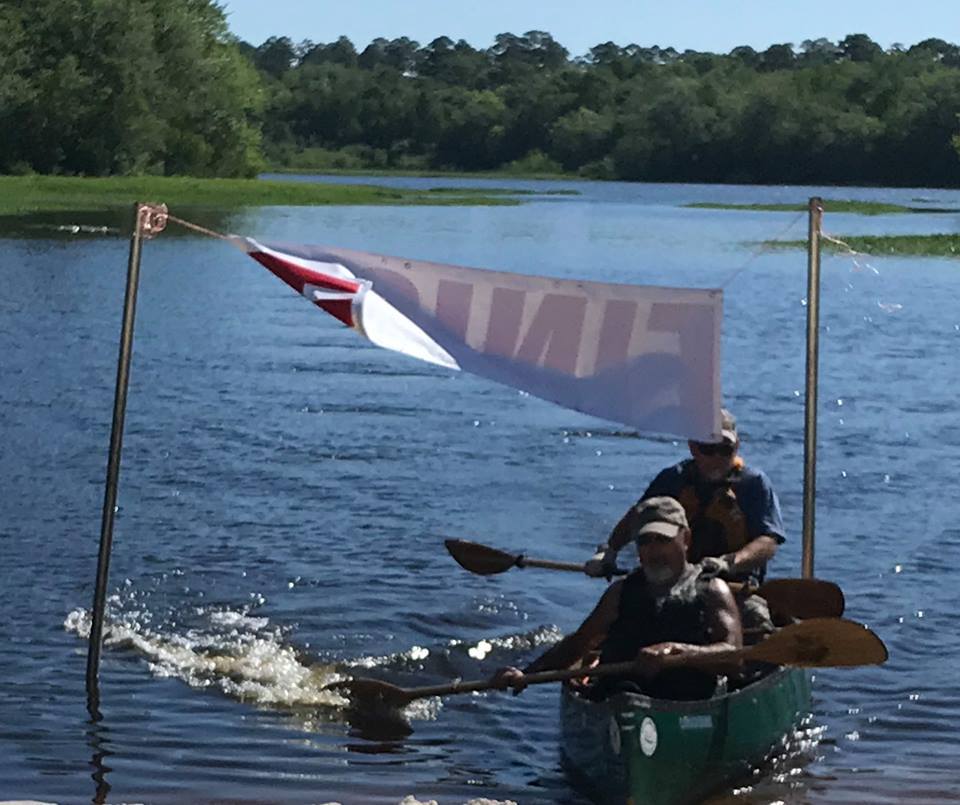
x=645, y=356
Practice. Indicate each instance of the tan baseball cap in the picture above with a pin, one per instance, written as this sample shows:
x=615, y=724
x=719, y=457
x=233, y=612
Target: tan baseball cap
x=660, y=515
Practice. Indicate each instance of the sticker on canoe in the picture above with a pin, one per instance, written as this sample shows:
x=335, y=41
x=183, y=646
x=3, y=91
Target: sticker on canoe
x=648, y=737
x=701, y=722
x=615, y=736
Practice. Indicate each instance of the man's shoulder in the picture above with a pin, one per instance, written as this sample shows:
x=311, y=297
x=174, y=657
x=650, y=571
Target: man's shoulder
x=753, y=476
x=669, y=480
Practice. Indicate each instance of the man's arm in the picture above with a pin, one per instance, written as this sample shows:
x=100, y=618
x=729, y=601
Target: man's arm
x=761, y=510
x=620, y=535
x=754, y=554
x=574, y=646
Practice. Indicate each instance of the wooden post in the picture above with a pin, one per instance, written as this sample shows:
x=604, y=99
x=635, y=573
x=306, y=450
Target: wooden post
x=810, y=412
x=148, y=220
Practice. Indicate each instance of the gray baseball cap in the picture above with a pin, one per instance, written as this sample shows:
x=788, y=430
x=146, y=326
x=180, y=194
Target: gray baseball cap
x=728, y=426
x=660, y=515
x=728, y=429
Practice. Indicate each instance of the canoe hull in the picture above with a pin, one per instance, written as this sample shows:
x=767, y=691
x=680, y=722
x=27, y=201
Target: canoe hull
x=644, y=751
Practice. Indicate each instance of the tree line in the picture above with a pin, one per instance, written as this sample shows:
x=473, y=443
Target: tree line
x=151, y=86
x=847, y=112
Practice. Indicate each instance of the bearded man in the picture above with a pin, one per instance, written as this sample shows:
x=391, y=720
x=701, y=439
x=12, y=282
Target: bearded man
x=668, y=606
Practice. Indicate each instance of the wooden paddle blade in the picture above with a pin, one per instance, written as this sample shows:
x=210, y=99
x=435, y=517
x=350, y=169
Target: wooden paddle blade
x=803, y=598
x=820, y=643
x=371, y=692
x=480, y=559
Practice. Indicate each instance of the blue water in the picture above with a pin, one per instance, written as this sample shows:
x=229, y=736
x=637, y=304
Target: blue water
x=286, y=488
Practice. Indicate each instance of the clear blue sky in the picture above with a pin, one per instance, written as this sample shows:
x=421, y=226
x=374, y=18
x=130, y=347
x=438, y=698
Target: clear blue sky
x=708, y=25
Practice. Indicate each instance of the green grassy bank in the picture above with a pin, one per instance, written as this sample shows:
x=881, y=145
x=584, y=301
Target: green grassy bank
x=20, y=195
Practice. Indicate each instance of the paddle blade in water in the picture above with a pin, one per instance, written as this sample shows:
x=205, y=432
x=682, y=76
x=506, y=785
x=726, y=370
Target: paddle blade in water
x=371, y=692
x=803, y=598
x=821, y=643
x=480, y=559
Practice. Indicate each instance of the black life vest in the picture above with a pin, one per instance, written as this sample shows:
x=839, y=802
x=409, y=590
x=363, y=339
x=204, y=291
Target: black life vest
x=645, y=620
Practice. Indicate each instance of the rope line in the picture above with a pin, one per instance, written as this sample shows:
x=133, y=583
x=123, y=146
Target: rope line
x=763, y=249
x=850, y=252
x=197, y=228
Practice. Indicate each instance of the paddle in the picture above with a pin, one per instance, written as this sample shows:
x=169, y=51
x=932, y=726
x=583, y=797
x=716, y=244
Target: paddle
x=815, y=643
x=793, y=598
x=486, y=561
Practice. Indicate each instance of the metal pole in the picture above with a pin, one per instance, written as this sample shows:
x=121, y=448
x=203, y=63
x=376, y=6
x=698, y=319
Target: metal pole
x=813, y=360
x=113, y=463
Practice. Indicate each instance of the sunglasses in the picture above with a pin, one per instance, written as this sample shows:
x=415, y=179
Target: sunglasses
x=651, y=538
x=724, y=449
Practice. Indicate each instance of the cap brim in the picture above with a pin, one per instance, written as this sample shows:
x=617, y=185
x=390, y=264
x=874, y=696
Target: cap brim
x=667, y=529
x=729, y=436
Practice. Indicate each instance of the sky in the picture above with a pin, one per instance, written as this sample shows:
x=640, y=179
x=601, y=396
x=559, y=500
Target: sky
x=705, y=25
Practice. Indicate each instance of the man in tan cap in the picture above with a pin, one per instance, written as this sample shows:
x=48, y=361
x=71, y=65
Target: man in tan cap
x=667, y=606
x=732, y=509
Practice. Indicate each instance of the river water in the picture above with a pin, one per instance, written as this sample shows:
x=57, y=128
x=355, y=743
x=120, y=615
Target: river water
x=286, y=488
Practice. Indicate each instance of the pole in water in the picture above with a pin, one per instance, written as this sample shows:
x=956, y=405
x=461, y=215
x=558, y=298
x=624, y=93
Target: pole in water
x=148, y=220
x=813, y=360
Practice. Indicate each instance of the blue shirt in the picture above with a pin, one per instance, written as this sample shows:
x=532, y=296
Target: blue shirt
x=755, y=499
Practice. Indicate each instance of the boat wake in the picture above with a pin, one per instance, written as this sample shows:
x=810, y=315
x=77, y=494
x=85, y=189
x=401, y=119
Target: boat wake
x=238, y=654
x=248, y=659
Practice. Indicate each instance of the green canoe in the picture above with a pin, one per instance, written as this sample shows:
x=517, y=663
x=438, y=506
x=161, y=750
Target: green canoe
x=634, y=749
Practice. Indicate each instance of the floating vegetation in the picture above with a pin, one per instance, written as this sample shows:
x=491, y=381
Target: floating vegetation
x=912, y=245
x=31, y=194
x=500, y=191
x=855, y=207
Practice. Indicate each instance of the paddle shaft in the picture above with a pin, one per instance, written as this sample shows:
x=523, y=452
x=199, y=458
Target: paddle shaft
x=536, y=678
x=547, y=564
x=607, y=669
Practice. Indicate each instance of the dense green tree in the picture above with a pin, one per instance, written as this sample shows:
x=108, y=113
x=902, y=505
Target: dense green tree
x=815, y=52
x=124, y=86
x=580, y=137
x=275, y=56
x=341, y=52
x=778, y=57
x=860, y=47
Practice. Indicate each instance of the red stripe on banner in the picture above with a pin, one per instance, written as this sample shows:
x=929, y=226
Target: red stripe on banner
x=297, y=276
x=338, y=308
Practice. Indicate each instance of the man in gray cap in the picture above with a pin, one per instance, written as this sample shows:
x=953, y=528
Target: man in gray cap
x=667, y=606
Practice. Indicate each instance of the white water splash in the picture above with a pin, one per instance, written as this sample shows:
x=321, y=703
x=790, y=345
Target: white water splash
x=245, y=660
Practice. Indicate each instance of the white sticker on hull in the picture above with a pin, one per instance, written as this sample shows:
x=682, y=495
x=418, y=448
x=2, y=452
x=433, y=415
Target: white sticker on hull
x=648, y=737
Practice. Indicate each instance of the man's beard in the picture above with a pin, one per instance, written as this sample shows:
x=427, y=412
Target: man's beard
x=658, y=574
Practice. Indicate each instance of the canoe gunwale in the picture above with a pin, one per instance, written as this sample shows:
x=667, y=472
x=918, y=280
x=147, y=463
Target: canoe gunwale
x=634, y=701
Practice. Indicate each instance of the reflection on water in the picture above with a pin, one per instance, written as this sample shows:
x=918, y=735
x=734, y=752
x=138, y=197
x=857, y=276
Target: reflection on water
x=286, y=490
